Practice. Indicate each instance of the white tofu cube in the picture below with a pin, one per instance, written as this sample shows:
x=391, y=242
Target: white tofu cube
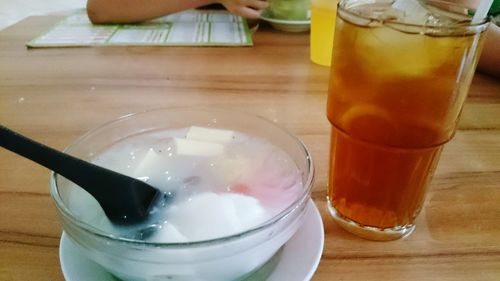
x=148, y=165
x=208, y=134
x=156, y=169
x=197, y=148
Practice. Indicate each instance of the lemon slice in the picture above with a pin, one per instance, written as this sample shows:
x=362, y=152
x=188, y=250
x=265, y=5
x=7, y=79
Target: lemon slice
x=368, y=122
x=368, y=111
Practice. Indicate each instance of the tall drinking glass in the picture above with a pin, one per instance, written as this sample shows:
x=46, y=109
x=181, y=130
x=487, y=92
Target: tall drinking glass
x=322, y=29
x=400, y=74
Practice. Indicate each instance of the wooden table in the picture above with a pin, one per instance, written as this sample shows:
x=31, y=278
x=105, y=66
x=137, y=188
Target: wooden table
x=55, y=95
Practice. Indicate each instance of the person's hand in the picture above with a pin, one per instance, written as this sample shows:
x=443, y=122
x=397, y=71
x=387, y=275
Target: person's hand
x=489, y=62
x=246, y=8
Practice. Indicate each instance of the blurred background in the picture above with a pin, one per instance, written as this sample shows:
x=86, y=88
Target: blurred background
x=12, y=11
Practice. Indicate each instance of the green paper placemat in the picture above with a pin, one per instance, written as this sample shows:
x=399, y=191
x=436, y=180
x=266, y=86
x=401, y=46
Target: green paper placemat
x=188, y=28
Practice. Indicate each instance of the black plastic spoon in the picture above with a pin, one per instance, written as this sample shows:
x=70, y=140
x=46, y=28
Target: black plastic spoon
x=124, y=199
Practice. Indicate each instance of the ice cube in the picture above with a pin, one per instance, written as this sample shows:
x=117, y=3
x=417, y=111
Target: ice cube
x=438, y=18
x=209, y=215
x=414, y=12
x=209, y=134
x=430, y=14
x=248, y=210
x=388, y=52
x=230, y=168
x=167, y=233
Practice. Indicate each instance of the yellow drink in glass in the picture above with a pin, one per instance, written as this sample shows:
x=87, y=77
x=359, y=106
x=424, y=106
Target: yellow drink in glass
x=323, y=14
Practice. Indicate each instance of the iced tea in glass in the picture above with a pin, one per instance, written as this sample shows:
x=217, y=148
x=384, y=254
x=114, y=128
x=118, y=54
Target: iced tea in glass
x=400, y=74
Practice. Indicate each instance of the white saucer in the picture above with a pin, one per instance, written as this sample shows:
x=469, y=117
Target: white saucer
x=288, y=25
x=297, y=261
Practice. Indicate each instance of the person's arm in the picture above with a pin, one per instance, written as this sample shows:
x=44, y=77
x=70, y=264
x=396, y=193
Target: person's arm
x=489, y=62
x=127, y=11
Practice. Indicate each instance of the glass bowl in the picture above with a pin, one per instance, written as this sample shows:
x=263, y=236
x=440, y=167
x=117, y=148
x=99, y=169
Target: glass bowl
x=231, y=257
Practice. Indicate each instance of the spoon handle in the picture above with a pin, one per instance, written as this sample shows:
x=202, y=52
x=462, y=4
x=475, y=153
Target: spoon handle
x=124, y=199
x=37, y=152
x=70, y=167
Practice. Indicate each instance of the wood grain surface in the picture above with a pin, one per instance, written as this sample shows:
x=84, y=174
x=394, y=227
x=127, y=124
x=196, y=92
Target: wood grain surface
x=55, y=95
